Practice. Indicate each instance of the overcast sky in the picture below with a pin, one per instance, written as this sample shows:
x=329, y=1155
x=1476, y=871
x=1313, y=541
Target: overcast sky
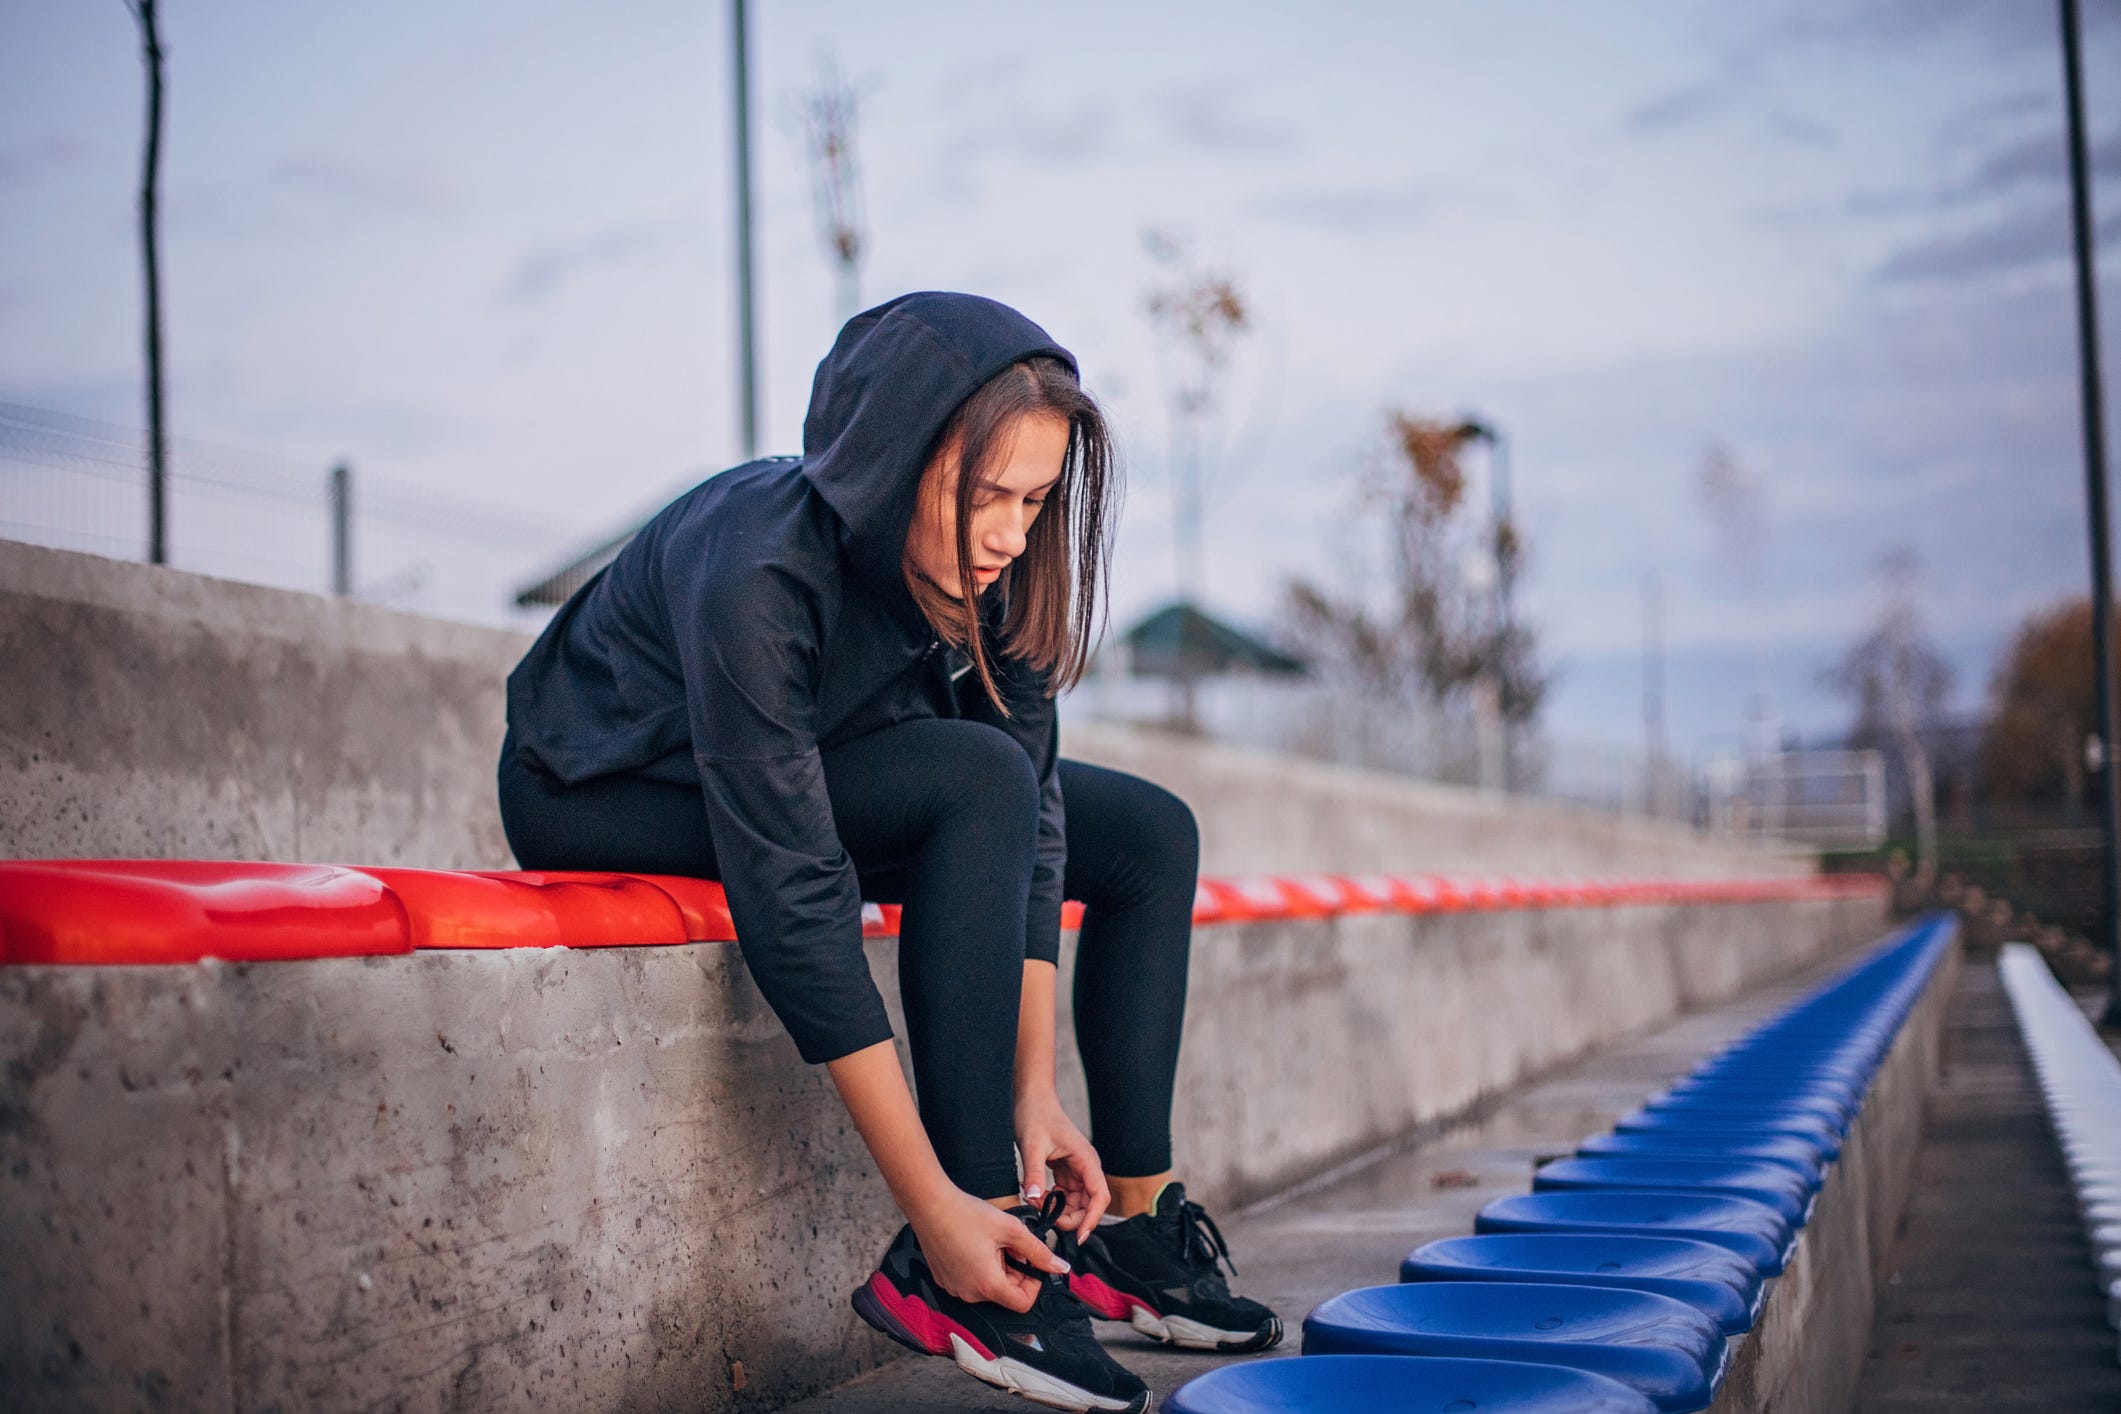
x=485, y=251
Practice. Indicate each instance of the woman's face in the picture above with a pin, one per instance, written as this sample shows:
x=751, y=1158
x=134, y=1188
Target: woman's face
x=1003, y=505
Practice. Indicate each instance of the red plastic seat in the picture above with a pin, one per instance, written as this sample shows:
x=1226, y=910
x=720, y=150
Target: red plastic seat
x=164, y=911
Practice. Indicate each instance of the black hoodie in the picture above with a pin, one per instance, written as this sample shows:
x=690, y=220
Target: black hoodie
x=762, y=616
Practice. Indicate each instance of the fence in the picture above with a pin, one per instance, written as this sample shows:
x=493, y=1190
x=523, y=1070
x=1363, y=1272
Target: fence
x=78, y=484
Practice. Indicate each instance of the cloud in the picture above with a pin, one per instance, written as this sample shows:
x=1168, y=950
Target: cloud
x=1362, y=208
x=1683, y=107
x=304, y=194
x=1209, y=120
x=2001, y=25
x=22, y=162
x=1800, y=130
x=544, y=272
x=2042, y=157
x=1725, y=93
x=351, y=188
x=1001, y=131
x=2039, y=160
x=1069, y=136
x=2019, y=240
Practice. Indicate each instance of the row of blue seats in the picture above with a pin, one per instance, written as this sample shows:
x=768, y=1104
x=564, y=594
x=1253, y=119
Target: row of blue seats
x=1618, y=1283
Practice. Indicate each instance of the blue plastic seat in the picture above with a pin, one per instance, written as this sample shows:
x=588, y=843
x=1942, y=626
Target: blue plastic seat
x=1754, y=1231
x=1809, y=1128
x=1788, y=1151
x=1665, y=1348
x=1803, y=1063
x=1748, y=1089
x=1399, y=1384
x=1713, y=1280
x=1778, y=1107
x=1787, y=1193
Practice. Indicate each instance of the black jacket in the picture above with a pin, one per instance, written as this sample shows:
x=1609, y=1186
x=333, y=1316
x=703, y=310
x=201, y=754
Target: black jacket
x=763, y=615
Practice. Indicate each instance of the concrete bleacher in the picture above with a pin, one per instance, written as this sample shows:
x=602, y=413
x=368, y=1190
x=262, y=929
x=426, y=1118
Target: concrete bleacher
x=347, y=1103
x=501, y=1169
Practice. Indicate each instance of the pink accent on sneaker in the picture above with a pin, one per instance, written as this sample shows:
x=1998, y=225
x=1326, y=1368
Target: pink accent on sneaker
x=923, y=1322
x=1112, y=1305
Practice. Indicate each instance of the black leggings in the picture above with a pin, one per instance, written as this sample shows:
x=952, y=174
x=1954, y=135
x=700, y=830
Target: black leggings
x=915, y=811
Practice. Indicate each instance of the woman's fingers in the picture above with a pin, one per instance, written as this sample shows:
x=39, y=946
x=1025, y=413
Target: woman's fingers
x=1083, y=1177
x=1036, y=1152
x=1018, y=1292
x=1028, y=1247
x=1097, y=1195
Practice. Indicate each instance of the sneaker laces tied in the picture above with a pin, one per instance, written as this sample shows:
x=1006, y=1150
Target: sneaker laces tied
x=1196, y=1238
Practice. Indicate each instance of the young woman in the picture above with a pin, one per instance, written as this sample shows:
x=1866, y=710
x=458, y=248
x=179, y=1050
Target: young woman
x=831, y=677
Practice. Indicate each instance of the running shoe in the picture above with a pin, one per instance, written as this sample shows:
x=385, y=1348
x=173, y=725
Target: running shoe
x=1048, y=1354
x=1162, y=1273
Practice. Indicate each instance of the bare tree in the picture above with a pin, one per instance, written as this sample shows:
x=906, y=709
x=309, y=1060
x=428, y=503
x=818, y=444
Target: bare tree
x=1898, y=682
x=1438, y=640
x=830, y=112
x=143, y=13
x=1199, y=316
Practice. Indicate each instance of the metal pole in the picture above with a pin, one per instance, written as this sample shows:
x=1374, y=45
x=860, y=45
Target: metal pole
x=2095, y=498
x=1653, y=694
x=150, y=169
x=342, y=529
x=747, y=337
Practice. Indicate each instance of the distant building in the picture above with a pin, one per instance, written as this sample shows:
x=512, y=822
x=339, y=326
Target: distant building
x=1185, y=641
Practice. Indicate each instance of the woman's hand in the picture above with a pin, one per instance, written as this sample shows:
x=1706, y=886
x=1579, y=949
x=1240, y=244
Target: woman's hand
x=1048, y=1140
x=965, y=1240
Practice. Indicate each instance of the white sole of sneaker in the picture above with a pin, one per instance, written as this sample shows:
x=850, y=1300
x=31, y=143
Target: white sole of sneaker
x=1185, y=1334
x=1034, y=1385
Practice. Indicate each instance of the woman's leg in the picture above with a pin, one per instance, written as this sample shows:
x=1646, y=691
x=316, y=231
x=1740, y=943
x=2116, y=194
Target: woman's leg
x=625, y=824
x=938, y=814
x=1134, y=861
x=941, y=815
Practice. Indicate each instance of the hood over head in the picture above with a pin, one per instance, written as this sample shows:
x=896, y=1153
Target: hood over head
x=881, y=398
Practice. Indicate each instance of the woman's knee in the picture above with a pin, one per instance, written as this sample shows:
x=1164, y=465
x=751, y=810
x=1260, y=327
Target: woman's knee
x=1172, y=833
x=1156, y=831
x=972, y=773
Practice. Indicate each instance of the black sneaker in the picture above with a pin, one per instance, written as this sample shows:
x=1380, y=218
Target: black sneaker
x=1161, y=1272
x=1048, y=1354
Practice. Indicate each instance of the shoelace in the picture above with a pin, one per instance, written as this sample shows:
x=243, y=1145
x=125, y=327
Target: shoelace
x=1053, y=1293
x=1199, y=1240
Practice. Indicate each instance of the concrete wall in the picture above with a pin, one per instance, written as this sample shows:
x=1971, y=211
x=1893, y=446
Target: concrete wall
x=603, y=1179
x=152, y=713
x=155, y=714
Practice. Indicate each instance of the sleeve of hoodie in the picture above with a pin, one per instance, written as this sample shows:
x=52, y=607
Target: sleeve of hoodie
x=1035, y=723
x=748, y=632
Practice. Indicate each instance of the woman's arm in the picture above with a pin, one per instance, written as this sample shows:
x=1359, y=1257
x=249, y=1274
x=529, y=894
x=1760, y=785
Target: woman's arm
x=1045, y=1137
x=963, y=1238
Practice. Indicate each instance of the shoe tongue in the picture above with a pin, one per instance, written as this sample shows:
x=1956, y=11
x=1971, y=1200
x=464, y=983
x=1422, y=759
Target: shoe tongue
x=1170, y=1199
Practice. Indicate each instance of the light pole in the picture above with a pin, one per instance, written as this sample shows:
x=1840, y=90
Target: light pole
x=2091, y=401
x=747, y=335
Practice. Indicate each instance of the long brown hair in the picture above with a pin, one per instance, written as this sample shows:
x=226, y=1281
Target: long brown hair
x=1051, y=612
